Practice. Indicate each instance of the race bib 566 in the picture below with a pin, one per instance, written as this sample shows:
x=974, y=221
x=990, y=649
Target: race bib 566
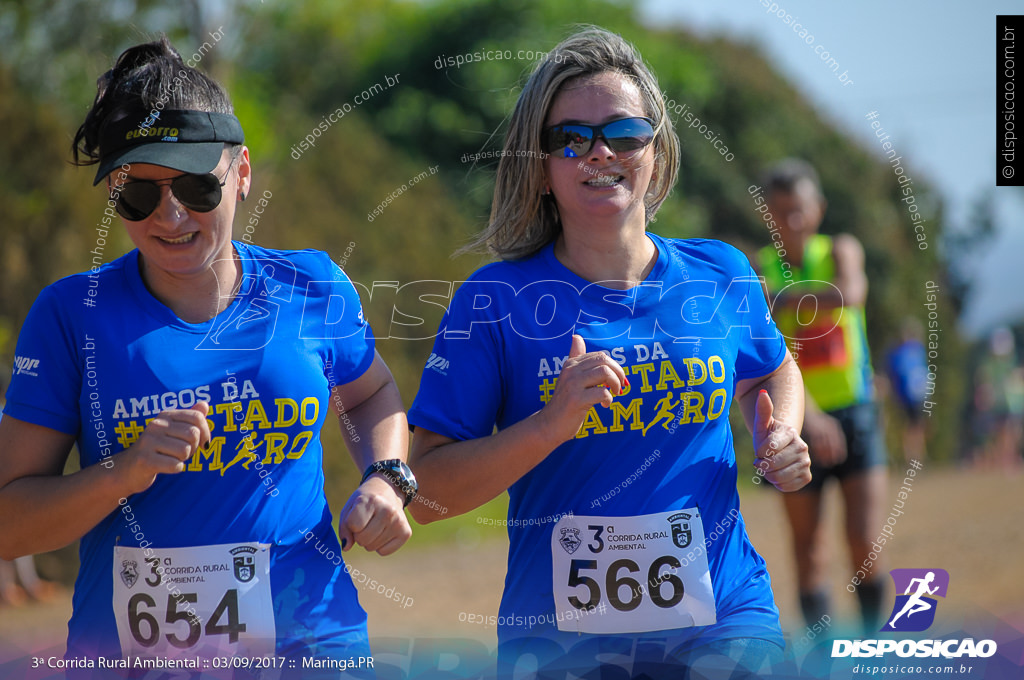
x=644, y=569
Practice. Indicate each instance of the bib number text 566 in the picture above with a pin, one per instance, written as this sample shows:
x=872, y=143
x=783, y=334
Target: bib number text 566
x=666, y=590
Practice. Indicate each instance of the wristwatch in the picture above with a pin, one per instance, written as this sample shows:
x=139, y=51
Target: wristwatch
x=399, y=474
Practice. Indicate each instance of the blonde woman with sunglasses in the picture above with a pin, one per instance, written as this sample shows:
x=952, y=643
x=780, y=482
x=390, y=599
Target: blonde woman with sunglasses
x=589, y=373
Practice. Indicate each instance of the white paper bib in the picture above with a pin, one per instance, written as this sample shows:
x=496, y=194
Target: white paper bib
x=632, y=574
x=212, y=600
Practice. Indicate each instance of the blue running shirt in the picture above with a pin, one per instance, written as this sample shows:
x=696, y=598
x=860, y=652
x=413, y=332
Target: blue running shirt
x=908, y=369
x=695, y=326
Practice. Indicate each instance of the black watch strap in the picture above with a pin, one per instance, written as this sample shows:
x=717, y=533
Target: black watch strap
x=398, y=473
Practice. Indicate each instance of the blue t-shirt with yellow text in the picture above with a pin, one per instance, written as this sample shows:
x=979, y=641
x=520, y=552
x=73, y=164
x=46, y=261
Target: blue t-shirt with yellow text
x=684, y=336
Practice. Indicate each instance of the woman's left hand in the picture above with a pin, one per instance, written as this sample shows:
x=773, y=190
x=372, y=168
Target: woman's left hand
x=780, y=452
x=374, y=518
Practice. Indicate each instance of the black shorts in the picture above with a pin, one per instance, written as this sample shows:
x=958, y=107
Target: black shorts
x=865, y=445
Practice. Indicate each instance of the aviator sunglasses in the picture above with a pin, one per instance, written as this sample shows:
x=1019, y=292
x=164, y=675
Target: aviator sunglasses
x=571, y=140
x=139, y=198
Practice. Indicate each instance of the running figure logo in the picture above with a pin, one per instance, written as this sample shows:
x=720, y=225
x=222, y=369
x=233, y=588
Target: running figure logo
x=259, y=301
x=914, y=610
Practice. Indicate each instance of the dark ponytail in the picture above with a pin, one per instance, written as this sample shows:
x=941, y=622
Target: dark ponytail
x=146, y=78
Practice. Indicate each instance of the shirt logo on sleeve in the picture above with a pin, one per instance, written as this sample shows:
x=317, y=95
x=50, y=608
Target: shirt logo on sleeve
x=438, y=363
x=25, y=366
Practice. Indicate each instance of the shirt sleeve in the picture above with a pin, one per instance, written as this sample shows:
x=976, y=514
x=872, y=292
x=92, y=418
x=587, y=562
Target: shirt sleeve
x=462, y=387
x=762, y=347
x=349, y=340
x=46, y=381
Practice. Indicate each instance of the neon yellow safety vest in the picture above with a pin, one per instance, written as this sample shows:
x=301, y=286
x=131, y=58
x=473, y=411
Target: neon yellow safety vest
x=829, y=345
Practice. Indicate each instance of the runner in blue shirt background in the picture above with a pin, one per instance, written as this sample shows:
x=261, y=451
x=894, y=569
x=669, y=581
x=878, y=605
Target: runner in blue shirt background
x=907, y=370
x=195, y=373
x=608, y=358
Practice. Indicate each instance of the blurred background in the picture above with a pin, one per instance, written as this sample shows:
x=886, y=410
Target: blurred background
x=925, y=68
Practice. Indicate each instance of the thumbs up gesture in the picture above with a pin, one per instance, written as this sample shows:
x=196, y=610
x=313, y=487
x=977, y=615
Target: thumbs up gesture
x=764, y=419
x=578, y=348
x=586, y=379
x=781, y=455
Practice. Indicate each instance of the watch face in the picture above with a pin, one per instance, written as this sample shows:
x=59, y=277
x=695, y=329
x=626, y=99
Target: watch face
x=407, y=474
x=399, y=474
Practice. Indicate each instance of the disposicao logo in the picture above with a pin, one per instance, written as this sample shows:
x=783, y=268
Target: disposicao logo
x=913, y=612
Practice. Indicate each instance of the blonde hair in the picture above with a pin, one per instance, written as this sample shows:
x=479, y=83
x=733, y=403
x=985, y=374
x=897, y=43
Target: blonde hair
x=523, y=221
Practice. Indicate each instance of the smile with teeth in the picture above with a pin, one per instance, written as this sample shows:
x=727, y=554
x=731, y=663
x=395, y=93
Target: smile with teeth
x=183, y=239
x=605, y=180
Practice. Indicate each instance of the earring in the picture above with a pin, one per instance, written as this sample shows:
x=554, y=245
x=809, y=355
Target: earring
x=241, y=196
x=547, y=191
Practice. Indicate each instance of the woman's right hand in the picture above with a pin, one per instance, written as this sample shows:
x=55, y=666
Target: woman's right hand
x=168, y=441
x=586, y=379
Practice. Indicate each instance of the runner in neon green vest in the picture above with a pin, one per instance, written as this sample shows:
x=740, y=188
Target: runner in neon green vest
x=831, y=341
x=817, y=287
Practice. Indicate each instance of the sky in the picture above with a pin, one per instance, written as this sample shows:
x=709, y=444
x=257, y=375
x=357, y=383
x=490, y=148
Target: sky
x=928, y=70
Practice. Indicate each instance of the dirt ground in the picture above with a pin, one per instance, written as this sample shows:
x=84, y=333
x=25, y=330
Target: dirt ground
x=964, y=521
